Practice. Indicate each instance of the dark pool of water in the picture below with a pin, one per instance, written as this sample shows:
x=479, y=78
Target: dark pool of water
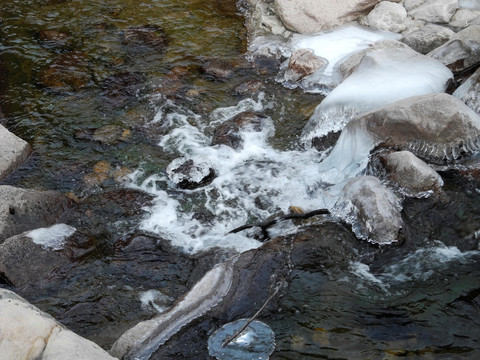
x=418, y=300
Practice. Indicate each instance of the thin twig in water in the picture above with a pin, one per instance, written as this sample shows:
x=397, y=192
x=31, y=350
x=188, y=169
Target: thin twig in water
x=249, y=321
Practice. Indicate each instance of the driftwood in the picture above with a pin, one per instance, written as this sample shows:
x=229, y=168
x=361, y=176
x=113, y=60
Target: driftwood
x=264, y=225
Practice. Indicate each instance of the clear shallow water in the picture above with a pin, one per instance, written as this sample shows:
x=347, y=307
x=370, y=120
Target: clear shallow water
x=417, y=300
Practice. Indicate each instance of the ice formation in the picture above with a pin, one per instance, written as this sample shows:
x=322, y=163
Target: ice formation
x=53, y=237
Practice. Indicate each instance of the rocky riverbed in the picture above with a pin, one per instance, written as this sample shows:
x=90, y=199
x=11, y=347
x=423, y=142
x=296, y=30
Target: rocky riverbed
x=367, y=110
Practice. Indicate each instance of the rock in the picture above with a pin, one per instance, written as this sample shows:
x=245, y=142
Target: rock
x=303, y=63
x=434, y=11
x=121, y=90
x=218, y=70
x=463, y=18
x=28, y=333
x=22, y=210
x=310, y=16
x=411, y=173
x=469, y=92
x=388, y=16
x=427, y=38
x=462, y=51
x=188, y=173
x=251, y=278
x=22, y=261
x=228, y=133
x=13, y=152
x=53, y=38
x=436, y=127
x=408, y=72
x=145, y=39
x=69, y=72
x=248, y=87
x=110, y=134
x=262, y=20
x=378, y=210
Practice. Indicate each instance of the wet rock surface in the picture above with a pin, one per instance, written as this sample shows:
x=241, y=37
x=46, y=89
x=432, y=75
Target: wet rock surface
x=228, y=133
x=22, y=210
x=190, y=173
x=13, y=151
x=66, y=73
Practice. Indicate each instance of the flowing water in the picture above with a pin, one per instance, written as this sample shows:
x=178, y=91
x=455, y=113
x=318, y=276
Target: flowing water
x=126, y=110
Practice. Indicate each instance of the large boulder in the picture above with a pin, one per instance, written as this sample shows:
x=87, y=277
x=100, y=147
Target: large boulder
x=22, y=210
x=411, y=173
x=462, y=51
x=13, y=151
x=377, y=210
x=469, y=91
x=437, y=127
x=28, y=333
x=434, y=11
x=310, y=16
x=427, y=38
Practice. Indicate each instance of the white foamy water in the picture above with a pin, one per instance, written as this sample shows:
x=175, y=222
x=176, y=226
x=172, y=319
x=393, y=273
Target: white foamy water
x=251, y=184
x=53, y=237
x=421, y=265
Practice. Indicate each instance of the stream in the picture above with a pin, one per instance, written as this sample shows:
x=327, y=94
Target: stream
x=109, y=93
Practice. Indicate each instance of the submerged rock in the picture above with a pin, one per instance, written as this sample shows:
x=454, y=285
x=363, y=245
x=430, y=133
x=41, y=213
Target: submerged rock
x=228, y=133
x=377, y=210
x=427, y=38
x=436, y=127
x=411, y=173
x=13, y=151
x=54, y=38
x=68, y=72
x=144, y=39
x=188, y=173
x=218, y=70
x=121, y=90
x=469, y=92
x=22, y=210
x=28, y=333
x=307, y=16
x=462, y=51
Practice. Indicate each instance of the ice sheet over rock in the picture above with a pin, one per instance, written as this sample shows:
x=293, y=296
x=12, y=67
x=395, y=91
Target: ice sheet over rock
x=389, y=72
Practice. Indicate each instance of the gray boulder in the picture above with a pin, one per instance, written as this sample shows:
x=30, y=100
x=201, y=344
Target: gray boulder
x=462, y=51
x=388, y=16
x=434, y=11
x=464, y=18
x=411, y=173
x=469, y=91
x=377, y=210
x=427, y=38
x=28, y=333
x=436, y=127
x=22, y=210
x=13, y=151
x=310, y=16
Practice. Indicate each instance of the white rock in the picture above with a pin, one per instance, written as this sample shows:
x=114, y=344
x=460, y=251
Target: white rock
x=310, y=16
x=427, y=38
x=469, y=92
x=388, y=16
x=461, y=51
x=28, y=333
x=411, y=173
x=463, y=18
x=378, y=210
x=435, y=11
x=13, y=151
x=412, y=4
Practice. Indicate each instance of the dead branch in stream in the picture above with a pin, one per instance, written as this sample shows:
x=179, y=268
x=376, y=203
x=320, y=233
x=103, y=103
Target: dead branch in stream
x=264, y=225
x=249, y=321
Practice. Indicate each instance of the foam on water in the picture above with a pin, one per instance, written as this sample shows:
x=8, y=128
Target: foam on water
x=53, y=237
x=421, y=265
